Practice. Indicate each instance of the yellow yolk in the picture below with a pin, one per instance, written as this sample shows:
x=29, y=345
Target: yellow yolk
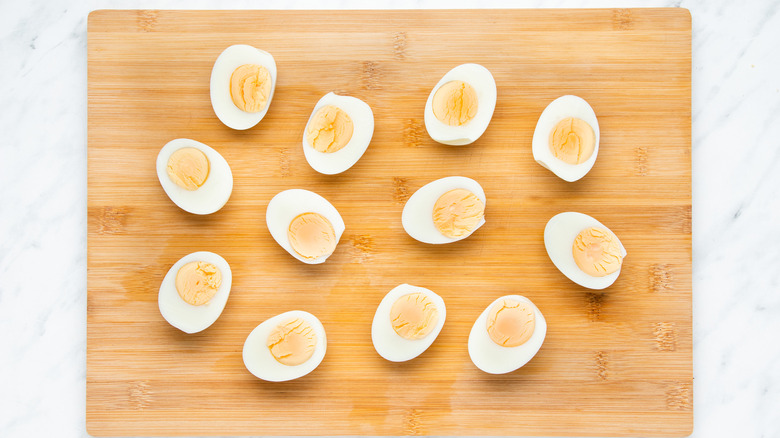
x=455, y=103
x=188, y=168
x=597, y=252
x=292, y=342
x=511, y=323
x=329, y=130
x=250, y=87
x=457, y=213
x=413, y=316
x=311, y=235
x=198, y=282
x=572, y=141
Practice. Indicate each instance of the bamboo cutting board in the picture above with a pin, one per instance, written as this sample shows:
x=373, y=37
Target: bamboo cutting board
x=613, y=363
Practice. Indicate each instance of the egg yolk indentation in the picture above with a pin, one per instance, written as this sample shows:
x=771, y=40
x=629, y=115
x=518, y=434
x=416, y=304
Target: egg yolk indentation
x=572, y=141
x=455, y=103
x=413, y=316
x=457, y=213
x=250, y=87
x=292, y=342
x=188, y=168
x=330, y=129
x=198, y=282
x=597, y=252
x=311, y=235
x=511, y=323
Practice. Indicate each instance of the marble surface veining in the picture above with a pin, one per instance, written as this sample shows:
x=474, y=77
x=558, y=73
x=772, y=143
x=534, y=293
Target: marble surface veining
x=43, y=191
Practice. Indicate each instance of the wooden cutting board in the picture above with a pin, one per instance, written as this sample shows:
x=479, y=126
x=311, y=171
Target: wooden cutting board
x=613, y=363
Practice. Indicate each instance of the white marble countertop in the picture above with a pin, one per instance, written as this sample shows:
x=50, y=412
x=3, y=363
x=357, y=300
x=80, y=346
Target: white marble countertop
x=43, y=189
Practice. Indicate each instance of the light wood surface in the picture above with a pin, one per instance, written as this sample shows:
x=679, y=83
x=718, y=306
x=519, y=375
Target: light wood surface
x=613, y=363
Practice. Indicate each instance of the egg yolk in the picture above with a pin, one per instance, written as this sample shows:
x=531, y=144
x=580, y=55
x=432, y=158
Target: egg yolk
x=311, y=235
x=413, y=316
x=511, y=323
x=455, y=103
x=188, y=168
x=457, y=213
x=198, y=282
x=572, y=141
x=292, y=342
x=329, y=130
x=597, y=252
x=250, y=87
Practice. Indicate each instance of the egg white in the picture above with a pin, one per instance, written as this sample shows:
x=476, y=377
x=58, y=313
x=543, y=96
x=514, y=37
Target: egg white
x=183, y=315
x=259, y=360
x=559, y=235
x=557, y=110
x=484, y=85
x=228, y=61
x=215, y=191
x=496, y=359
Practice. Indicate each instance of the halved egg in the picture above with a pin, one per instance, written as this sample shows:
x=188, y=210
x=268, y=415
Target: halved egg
x=507, y=334
x=461, y=105
x=566, y=138
x=243, y=80
x=338, y=133
x=444, y=211
x=305, y=224
x=407, y=321
x=285, y=347
x=194, y=291
x=195, y=176
x=584, y=249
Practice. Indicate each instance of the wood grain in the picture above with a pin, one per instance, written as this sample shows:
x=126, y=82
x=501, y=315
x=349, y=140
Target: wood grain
x=613, y=363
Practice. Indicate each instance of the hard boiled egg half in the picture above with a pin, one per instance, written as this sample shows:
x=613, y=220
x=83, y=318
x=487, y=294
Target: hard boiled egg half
x=461, y=105
x=584, y=249
x=194, y=291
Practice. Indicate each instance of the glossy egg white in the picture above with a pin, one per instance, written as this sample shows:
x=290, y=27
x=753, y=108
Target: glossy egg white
x=259, y=360
x=557, y=110
x=389, y=344
x=183, y=315
x=496, y=359
x=215, y=191
x=483, y=83
x=559, y=235
x=287, y=205
x=417, y=216
x=228, y=61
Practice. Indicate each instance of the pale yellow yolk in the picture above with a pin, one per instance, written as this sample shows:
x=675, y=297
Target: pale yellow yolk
x=572, y=141
x=597, y=252
x=311, y=235
x=250, y=87
x=455, y=103
x=511, y=323
x=198, y=282
x=457, y=213
x=188, y=168
x=329, y=130
x=413, y=316
x=292, y=342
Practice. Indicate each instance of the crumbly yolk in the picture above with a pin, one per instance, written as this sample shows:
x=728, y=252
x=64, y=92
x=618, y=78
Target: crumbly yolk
x=413, y=316
x=188, y=168
x=457, y=213
x=250, y=87
x=292, y=342
x=311, y=235
x=597, y=252
x=455, y=103
x=572, y=140
x=511, y=323
x=329, y=130
x=198, y=282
